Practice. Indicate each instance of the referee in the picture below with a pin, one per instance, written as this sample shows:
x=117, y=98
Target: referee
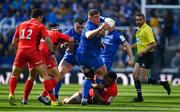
x=145, y=46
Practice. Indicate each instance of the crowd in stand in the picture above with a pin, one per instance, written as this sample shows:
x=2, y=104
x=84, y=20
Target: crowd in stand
x=63, y=12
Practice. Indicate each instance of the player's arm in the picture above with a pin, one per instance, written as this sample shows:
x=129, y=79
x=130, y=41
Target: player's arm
x=15, y=42
x=15, y=39
x=97, y=86
x=134, y=46
x=49, y=44
x=129, y=51
x=69, y=42
x=92, y=33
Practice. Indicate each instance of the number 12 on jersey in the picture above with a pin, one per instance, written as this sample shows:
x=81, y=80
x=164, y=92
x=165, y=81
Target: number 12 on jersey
x=25, y=35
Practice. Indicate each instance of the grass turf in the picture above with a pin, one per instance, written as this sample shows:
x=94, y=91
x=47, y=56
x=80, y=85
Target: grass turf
x=156, y=99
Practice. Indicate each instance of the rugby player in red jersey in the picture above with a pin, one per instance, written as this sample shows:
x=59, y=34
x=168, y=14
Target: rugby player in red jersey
x=26, y=40
x=50, y=61
x=98, y=94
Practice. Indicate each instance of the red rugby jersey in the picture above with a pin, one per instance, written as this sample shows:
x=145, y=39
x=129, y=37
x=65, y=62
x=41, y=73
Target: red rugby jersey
x=110, y=91
x=30, y=33
x=56, y=38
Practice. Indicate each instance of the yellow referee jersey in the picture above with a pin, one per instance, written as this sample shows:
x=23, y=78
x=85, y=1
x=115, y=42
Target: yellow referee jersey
x=144, y=36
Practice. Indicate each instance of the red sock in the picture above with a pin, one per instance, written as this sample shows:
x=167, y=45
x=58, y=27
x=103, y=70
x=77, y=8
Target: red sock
x=54, y=82
x=28, y=88
x=45, y=93
x=12, y=84
x=49, y=88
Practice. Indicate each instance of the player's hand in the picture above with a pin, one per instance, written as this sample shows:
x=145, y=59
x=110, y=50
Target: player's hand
x=104, y=26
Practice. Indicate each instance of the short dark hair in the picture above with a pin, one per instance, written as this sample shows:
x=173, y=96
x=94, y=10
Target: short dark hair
x=112, y=75
x=35, y=13
x=79, y=20
x=93, y=12
x=141, y=15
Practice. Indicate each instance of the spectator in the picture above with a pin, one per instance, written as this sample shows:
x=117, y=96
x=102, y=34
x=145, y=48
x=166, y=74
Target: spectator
x=175, y=63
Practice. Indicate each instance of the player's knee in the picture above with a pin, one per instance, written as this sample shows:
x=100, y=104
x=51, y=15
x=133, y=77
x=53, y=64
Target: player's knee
x=16, y=72
x=143, y=79
x=89, y=74
x=135, y=76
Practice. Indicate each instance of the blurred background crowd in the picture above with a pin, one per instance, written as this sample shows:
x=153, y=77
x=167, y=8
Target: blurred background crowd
x=165, y=23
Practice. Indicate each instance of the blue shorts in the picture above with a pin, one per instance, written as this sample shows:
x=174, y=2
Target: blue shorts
x=92, y=63
x=71, y=59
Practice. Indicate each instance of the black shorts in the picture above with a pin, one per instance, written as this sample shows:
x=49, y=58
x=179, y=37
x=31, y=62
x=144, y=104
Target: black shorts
x=146, y=60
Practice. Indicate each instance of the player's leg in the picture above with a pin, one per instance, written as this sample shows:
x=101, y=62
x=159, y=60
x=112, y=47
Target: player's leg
x=49, y=84
x=100, y=74
x=29, y=85
x=145, y=67
x=89, y=75
x=98, y=65
x=54, y=73
x=16, y=71
x=37, y=62
x=144, y=77
x=18, y=65
x=64, y=67
x=74, y=99
x=137, y=83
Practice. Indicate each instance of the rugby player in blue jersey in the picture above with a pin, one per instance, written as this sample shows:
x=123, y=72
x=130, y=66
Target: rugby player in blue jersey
x=69, y=59
x=89, y=50
x=111, y=44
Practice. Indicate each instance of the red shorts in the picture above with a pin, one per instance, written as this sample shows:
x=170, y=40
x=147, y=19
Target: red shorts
x=32, y=57
x=48, y=60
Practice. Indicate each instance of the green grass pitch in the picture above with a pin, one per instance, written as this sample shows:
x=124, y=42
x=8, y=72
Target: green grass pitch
x=156, y=99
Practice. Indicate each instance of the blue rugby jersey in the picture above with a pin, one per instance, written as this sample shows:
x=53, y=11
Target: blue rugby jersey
x=90, y=47
x=76, y=37
x=111, y=42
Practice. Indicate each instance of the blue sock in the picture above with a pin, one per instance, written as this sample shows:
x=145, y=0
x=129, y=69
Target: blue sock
x=98, y=81
x=57, y=88
x=86, y=87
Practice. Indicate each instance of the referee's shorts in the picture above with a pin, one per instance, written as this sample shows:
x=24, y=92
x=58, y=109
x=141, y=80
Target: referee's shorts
x=146, y=60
